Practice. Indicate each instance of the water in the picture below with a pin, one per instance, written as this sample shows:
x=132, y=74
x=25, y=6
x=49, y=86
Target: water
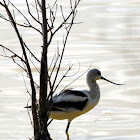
x=109, y=38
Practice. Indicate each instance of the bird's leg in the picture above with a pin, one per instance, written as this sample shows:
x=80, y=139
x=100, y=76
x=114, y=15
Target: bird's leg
x=67, y=136
x=67, y=130
x=49, y=122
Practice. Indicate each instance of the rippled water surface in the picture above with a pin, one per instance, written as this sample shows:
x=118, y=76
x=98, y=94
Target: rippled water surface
x=109, y=38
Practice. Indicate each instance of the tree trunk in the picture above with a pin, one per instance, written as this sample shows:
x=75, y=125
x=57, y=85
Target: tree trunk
x=43, y=115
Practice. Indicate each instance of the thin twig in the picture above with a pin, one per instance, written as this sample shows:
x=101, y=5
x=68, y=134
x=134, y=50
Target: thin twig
x=37, y=10
x=20, y=12
x=66, y=19
x=52, y=62
x=75, y=72
x=64, y=42
x=14, y=54
x=62, y=14
x=12, y=57
x=34, y=65
x=54, y=16
x=29, y=113
x=63, y=78
x=26, y=25
x=54, y=66
x=76, y=78
x=26, y=85
x=31, y=52
x=39, y=4
x=22, y=25
x=29, y=11
x=34, y=107
x=55, y=3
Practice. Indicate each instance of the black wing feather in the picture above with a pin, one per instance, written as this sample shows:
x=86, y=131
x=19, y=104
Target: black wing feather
x=63, y=105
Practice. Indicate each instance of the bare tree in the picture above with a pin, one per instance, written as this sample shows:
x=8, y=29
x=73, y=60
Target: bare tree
x=45, y=18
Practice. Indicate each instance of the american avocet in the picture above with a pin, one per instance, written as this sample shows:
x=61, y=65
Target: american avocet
x=72, y=103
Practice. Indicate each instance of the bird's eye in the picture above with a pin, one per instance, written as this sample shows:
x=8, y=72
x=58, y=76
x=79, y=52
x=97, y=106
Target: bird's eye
x=98, y=73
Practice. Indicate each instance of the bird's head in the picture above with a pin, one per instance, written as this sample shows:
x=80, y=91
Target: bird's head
x=95, y=74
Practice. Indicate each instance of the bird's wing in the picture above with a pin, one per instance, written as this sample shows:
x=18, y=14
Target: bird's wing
x=70, y=99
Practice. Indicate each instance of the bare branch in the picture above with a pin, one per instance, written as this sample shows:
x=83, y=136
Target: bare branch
x=31, y=13
x=39, y=4
x=52, y=62
x=71, y=5
x=55, y=4
x=20, y=12
x=75, y=72
x=65, y=75
x=31, y=52
x=19, y=64
x=37, y=10
x=14, y=54
x=26, y=85
x=50, y=84
x=22, y=25
x=54, y=15
x=56, y=60
x=76, y=78
x=62, y=14
x=29, y=113
x=50, y=28
x=34, y=65
x=29, y=25
x=66, y=19
x=34, y=107
x=51, y=13
x=64, y=43
x=41, y=114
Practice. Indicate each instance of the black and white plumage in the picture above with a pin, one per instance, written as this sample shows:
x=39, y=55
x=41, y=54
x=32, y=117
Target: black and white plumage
x=72, y=103
x=71, y=99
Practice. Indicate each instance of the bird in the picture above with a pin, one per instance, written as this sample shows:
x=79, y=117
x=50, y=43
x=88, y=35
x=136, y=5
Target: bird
x=71, y=103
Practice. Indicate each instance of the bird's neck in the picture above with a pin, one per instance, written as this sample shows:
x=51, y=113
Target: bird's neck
x=94, y=88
